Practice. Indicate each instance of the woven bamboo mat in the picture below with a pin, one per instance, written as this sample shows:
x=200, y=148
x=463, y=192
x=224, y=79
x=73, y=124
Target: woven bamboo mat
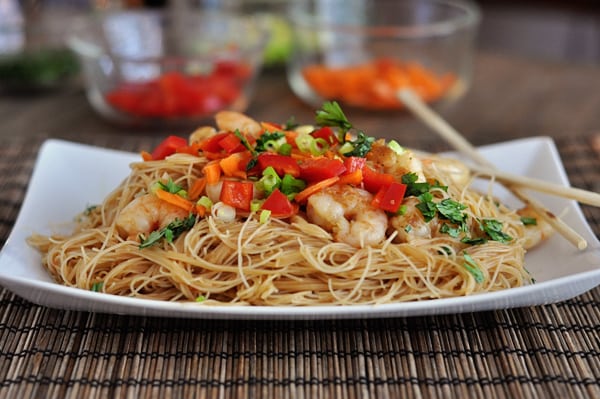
x=541, y=352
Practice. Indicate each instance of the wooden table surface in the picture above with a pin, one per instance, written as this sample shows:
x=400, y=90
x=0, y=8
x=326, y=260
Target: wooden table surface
x=511, y=96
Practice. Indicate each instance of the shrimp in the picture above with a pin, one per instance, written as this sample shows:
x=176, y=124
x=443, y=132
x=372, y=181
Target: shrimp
x=146, y=214
x=534, y=234
x=231, y=120
x=347, y=213
x=389, y=161
x=201, y=134
x=411, y=225
x=458, y=172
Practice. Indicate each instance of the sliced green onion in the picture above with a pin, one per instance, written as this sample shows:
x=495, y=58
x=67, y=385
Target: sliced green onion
x=290, y=185
x=304, y=142
x=285, y=149
x=223, y=212
x=275, y=144
x=265, y=214
x=270, y=181
x=319, y=146
x=255, y=205
x=346, y=148
x=304, y=129
x=200, y=298
x=205, y=202
x=397, y=148
x=401, y=210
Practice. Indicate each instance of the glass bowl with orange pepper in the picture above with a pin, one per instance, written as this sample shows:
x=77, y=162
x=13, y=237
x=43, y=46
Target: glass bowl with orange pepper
x=362, y=52
x=160, y=67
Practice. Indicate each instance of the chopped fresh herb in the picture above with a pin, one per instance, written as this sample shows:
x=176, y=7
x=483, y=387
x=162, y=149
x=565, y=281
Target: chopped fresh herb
x=88, y=211
x=527, y=221
x=412, y=187
x=270, y=141
x=451, y=231
x=291, y=186
x=244, y=141
x=361, y=146
x=170, y=232
x=251, y=164
x=531, y=278
x=446, y=250
x=291, y=123
x=452, y=210
x=285, y=149
x=394, y=146
x=265, y=214
x=427, y=207
x=332, y=115
x=200, y=298
x=493, y=229
x=269, y=181
x=408, y=228
x=473, y=268
x=171, y=187
x=402, y=210
x=474, y=240
x=97, y=286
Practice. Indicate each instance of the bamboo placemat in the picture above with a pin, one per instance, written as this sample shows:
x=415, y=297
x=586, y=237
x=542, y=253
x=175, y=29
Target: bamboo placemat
x=539, y=352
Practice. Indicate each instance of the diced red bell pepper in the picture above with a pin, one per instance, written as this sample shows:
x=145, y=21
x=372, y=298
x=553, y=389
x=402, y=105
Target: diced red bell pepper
x=237, y=194
x=281, y=163
x=353, y=164
x=231, y=143
x=279, y=205
x=316, y=169
x=389, y=198
x=175, y=94
x=326, y=133
x=211, y=144
x=226, y=142
x=168, y=147
x=374, y=181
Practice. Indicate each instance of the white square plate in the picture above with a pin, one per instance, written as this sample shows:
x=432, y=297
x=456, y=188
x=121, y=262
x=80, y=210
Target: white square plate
x=68, y=177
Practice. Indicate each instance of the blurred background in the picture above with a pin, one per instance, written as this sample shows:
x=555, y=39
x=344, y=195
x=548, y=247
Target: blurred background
x=38, y=75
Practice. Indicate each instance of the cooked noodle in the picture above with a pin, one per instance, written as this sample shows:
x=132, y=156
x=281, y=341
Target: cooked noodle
x=279, y=262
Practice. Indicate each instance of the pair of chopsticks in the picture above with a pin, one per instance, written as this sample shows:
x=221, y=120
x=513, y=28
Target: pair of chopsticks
x=514, y=183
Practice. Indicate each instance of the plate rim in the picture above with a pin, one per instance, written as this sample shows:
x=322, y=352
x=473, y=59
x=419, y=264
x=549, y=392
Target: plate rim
x=103, y=303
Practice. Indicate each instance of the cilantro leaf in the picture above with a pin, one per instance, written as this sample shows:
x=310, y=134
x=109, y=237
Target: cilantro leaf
x=263, y=141
x=412, y=187
x=474, y=240
x=493, y=229
x=332, y=115
x=361, y=146
x=473, y=268
x=527, y=221
x=452, y=210
x=170, y=187
x=170, y=232
x=427, y=206
x=451, y=231
x=244, y=141
x=291, y=123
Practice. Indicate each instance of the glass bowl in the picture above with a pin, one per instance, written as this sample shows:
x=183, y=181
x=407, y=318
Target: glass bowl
x=157, y=67
x=361, y=52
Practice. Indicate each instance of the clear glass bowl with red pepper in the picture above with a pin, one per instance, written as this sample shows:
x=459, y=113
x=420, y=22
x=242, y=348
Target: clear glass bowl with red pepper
x=160, y=67
x=362, y=52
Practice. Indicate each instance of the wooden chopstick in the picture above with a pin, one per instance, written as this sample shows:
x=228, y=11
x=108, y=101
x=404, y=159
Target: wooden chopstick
x=577, y=194
x=414, y=103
